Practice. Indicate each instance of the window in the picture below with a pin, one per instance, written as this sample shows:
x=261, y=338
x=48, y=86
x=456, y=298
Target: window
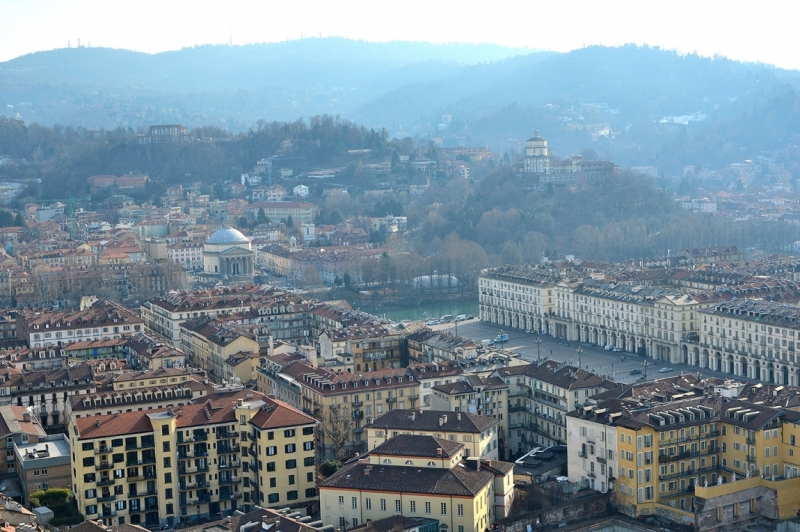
x=290, y=448
x=291, y=464
x=272, y=451
x=308, y=430
x=427, y=507
x=308, y=446
x=273, y=497
x=270, y=466
x=354, y=503
x=308, y=461
x=291, y=495
x=461, y=510
x=273, y=482
x=288, y=433
x=368, y=503
x=397, y=507
x=383, y=505
x=341, y=499
x=444, y=508
x=413, y=507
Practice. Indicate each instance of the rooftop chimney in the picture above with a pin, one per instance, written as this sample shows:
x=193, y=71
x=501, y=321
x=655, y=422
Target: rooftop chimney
x=439, y=451
x=444, y=418
x=458, y=416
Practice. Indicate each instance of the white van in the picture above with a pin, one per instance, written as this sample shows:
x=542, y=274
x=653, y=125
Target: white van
x=461, y=317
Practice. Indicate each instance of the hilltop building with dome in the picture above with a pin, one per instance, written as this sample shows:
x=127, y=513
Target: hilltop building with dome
x=569, y=172
x=228, y=257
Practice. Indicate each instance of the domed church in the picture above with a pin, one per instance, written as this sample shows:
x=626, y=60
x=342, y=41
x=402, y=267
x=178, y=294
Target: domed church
x=228, y=257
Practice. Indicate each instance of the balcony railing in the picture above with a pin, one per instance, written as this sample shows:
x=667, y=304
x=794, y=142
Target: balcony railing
x=107, y=498
x=105, y=482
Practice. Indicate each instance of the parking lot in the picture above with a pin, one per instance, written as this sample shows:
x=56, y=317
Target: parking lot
x=609, y=364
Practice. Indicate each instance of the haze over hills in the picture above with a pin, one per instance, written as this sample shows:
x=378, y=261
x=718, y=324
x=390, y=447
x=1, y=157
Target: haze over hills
x=631, y=104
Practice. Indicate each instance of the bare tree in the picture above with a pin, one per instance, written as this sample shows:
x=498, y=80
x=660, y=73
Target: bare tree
x=337, y=425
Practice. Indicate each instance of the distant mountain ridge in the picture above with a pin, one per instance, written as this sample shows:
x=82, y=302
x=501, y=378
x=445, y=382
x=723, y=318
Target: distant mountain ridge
x=611, y=99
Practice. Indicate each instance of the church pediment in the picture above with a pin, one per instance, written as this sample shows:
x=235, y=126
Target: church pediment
x=236, y=252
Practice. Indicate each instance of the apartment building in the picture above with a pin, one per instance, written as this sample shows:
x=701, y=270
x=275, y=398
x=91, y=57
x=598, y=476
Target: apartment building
x=539, y=397
x=19, y=427
x=372, y=346
x=648, y=321
x=434, y=374
x=47, y=392
x=753, y=339
x=521, y=297
x=426, y=346
x=232, y=451
x=43, y=465
x=419, y=476
x=209, y=344
x=684, y=452
x=477, y=433
x=472, y=394
x=345, y=402
x=163, y=314
x=102, y=321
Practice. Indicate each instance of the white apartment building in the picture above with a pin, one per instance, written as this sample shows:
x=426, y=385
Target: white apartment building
x=592, y=447
x=649, y=321
x=748, y=338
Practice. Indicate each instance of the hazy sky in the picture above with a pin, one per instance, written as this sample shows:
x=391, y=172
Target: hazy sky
x=753, y=31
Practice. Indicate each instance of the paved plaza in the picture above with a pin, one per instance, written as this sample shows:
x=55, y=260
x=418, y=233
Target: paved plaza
x=609, y=364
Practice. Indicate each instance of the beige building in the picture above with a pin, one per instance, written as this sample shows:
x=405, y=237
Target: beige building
x=477, y=433
x=43, y=465
x=539, y=397
x=419, y=476
x=209, y=344
x=475, y=395
x=345, y=402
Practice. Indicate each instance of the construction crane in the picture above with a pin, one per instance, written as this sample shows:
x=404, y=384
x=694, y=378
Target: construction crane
x=70, y=201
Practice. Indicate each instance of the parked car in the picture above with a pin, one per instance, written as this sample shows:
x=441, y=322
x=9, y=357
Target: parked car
x=617, y=349
x=487, y=342
x=432, y=322
x=665, y=370
x=636, y=372
x=501, y=338
x=609, y=347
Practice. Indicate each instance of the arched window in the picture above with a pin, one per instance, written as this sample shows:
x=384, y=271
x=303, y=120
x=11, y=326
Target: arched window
x=387, y=461
x=409, y=462
x=431, y=464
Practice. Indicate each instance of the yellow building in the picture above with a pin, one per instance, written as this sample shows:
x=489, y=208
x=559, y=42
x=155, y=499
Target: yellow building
x=241, y=366
x=477, y=433
x=208, y=344
x=419, y=476
x=159, y=467
x=706, y=460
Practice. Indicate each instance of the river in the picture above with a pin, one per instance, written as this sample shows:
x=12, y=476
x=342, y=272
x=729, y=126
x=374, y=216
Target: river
x=426, y=312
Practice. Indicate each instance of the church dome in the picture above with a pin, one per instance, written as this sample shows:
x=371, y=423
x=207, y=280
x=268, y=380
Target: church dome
x=227, y=235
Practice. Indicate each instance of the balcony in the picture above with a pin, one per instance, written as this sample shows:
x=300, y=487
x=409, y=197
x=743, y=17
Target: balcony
x=229, y=480
x=358, y=414
x=105, y=482
x=105, y=465
x=136, y=478
x=105, y=449
x=391, y=400
x=601, y=459
x=357, y=404
x=358, y=430
x=146, y=444
x=517, y=408
x=107, y=498
x=582, y=454
x=199, y=436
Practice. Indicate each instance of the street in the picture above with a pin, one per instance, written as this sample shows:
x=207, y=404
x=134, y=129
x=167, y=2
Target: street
x=615, y=366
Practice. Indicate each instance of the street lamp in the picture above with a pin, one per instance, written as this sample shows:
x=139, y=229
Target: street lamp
x=502, y=339
x=538, y=353
x=579, y=351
